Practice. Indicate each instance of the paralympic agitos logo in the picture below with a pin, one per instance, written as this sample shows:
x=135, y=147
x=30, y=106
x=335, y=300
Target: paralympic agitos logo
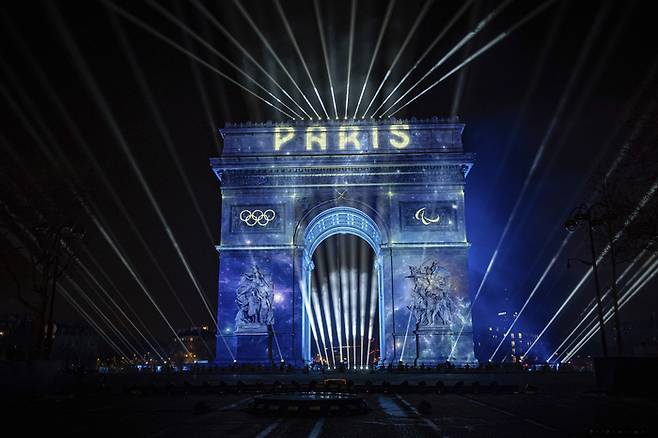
x=319, y=138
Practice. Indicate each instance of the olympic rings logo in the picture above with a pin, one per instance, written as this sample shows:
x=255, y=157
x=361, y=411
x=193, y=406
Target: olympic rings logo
x=257, y=217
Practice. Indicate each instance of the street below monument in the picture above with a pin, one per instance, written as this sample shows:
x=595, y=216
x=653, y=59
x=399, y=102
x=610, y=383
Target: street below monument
x=542, y=404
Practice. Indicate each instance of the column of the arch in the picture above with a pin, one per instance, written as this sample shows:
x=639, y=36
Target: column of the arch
x=388, y=312
x=308, y=327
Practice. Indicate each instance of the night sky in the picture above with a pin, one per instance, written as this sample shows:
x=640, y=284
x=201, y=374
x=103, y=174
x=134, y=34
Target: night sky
x=597, y=58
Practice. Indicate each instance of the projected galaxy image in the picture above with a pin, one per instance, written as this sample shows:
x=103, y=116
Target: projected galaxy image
x=290, y=195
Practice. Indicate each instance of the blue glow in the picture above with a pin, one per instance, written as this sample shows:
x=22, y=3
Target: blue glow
x=401, y=191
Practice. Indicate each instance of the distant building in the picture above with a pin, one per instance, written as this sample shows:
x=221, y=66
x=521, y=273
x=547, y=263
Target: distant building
x=199, y=342
x=73, y=343
x=15, y=337
x=513, y=347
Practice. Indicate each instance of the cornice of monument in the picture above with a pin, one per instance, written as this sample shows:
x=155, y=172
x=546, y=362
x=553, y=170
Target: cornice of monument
x=269, y=126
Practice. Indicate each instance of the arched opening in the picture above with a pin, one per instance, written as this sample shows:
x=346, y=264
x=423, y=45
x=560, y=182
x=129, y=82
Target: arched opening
x=342, y=230
x=344, y=301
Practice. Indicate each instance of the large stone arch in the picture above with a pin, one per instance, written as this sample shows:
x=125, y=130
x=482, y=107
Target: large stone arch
x=327, y=223
x=398, y=185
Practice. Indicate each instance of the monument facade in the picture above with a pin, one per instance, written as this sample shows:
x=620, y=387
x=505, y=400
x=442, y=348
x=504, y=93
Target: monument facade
x=398, y=185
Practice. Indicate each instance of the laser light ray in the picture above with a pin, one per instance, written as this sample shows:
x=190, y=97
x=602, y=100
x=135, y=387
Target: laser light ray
x=81, y=142
x=324, y=292
x=345, y=291
x=107, y=295
x=196, y=74
x=532, y=293
x=246, y=53
x=141, y=24
x=90, y=320
x=577, y=107
x=387, y=17
x=452, y=51
x=475, y=55
x=646, y=277
x=349, y=54
x=323, y=43
x=136, y=277
x=643, y=201
x=423, y=12
x=269, y=48
x=172, y=18
x=153, y=344
x=30, y=128
x=363, y=296
x=538, y=70
x=23, y=252
x=548, y=135
x=306, y=301
x=161, y=124
x=354, y=295
x=434, y=42
x=42, y=146
x=334, y=284
x=374, y=295
x=592, y=307
x=122, y=143
x=406, y=333
x=447, y=75
x=90, y=286
x=315, y=302
x=639, y=125
x=276, y=341
x=37, y=118
x=77, y=136
x=104, y=318
x=286, y=24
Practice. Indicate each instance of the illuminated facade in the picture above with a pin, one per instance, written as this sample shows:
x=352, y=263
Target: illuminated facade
x=286, y=189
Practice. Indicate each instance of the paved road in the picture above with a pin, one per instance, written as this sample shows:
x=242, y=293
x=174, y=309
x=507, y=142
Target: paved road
x=452, y=415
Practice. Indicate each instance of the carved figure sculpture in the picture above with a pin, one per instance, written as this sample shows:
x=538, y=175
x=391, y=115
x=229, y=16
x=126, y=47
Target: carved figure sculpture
x=254, y=301
x=432, y=302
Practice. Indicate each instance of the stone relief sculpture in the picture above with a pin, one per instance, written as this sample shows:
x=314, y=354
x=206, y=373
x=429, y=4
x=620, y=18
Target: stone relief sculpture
x=254, y=301
x=432, y=301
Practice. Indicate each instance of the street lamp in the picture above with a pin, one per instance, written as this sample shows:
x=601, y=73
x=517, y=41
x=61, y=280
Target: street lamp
x=580, y=215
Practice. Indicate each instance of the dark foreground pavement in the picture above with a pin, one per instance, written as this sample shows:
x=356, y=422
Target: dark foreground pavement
x=554, y=405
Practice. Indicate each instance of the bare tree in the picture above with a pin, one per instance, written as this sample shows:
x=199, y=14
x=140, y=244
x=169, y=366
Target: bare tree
x=630, y=193
x=623, y=210
x=38, y=220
